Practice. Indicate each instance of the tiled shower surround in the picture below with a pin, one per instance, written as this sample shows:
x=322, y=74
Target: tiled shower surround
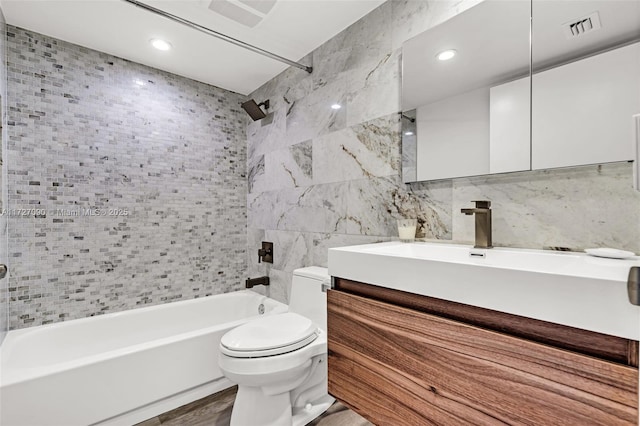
x=4, y=283
x=320, y=177
x=127, y=185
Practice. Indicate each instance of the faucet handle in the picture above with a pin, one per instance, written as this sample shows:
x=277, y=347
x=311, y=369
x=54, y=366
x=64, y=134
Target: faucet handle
x=265, y=254
x=482, y=204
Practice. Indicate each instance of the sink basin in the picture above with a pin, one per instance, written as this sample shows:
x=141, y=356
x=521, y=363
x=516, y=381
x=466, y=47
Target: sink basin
x=567, y=288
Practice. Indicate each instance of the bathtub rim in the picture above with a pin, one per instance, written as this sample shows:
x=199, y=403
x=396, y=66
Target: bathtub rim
x=14, y=376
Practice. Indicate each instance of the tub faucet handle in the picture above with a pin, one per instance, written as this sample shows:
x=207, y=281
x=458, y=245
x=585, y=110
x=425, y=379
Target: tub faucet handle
x=266, y=252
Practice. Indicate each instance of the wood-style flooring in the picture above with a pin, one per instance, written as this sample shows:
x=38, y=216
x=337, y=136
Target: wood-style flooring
x=215, y=410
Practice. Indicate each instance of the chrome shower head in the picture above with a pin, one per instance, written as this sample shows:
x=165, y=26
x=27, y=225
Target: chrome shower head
x=254, y=110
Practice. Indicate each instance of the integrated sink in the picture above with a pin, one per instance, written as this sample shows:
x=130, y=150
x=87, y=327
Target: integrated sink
x=567, y=288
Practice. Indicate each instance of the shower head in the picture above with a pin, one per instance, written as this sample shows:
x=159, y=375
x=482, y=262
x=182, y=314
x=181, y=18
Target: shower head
x=253, y=109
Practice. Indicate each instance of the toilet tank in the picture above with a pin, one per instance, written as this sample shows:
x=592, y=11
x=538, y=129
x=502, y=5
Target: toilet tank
x=307, y=297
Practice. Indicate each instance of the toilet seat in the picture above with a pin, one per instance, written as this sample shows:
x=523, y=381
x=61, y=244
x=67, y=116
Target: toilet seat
x=269, y=336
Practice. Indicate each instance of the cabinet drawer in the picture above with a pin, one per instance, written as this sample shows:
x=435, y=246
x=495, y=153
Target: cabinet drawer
x=397, y=366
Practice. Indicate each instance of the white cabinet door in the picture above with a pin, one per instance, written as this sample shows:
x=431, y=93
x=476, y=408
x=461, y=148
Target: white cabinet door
x=509, y=142
x=582, y=112
x=453, y=136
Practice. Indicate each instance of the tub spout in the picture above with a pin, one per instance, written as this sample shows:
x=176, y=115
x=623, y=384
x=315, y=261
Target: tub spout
x=250, y=282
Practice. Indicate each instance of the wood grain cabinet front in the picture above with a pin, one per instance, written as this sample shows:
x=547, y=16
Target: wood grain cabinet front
x=399, y=366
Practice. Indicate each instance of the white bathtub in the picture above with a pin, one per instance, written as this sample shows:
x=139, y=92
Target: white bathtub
x=120, y=368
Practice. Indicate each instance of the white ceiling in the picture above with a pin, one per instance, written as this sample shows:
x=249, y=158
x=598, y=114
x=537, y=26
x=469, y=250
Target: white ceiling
x=291, y=29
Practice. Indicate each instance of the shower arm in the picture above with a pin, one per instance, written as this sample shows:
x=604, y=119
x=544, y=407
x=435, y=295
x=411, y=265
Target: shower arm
x=218, y=35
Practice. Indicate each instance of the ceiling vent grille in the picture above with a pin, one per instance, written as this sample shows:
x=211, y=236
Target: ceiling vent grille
x=246, y=12
x=582, y=26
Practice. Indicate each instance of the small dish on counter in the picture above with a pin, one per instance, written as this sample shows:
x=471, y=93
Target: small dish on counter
x=609, y=253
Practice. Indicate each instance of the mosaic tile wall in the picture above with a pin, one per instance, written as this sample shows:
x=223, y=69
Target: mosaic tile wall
x=4, y=283
x=127, y=185
x=320, y=178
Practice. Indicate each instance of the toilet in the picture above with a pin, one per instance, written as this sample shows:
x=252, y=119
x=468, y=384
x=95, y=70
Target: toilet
x=280, y=361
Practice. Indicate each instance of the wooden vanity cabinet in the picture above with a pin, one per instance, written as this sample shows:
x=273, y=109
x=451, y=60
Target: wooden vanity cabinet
x=402, y=359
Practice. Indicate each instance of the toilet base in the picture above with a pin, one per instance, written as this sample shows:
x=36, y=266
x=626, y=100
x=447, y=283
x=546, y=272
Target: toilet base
x=305, y=415
x=253, y=408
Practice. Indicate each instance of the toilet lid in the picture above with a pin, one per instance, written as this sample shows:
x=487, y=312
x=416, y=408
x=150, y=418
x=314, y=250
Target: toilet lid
x=270, y=335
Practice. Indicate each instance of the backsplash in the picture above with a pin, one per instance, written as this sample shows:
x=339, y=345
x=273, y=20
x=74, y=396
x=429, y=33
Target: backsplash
x=321, y=178
x=127, y=184
x=578, y=208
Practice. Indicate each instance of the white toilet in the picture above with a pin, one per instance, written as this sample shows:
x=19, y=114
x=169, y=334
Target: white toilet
x=280, y=361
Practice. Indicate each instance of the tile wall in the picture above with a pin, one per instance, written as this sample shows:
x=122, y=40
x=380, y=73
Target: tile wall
x=127, y=185
x=92, y=137
x=4, y=283
x=320, y=178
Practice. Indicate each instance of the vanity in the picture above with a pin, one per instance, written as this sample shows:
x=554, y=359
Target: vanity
x=430, y=333
x=445, y=334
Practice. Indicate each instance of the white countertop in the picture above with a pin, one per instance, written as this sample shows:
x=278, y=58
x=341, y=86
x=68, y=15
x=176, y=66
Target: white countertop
x=568, y=288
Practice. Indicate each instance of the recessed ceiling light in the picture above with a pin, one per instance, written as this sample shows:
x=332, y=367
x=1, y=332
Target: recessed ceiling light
x=445, y=55
x=139, y=82
x=336, y=106
x=409, y=133
x=160, y=44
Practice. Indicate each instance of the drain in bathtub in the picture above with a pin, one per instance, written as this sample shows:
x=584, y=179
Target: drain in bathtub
x=261, y=309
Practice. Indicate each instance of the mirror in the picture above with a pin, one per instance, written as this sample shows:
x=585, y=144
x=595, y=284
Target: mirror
x=466, y=123
x=586, y=81
x=483, y=112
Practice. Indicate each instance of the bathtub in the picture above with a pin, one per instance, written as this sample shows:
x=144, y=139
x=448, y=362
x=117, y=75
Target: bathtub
x=120, y=368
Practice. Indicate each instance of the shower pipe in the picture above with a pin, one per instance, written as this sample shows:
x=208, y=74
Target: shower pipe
x=219, y=35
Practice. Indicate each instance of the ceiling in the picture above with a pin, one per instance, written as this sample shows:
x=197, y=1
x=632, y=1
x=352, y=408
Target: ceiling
x=289, y=28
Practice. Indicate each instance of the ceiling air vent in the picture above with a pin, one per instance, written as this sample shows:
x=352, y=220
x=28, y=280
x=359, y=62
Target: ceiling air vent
x=246, y=12
x=579, y=27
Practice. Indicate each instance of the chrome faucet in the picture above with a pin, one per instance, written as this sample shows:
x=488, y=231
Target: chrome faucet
x=483, y=223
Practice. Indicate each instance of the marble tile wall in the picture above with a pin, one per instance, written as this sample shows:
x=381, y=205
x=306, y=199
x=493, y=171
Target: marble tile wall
x=321, y=178
x=137, y=178
x=4, y=283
